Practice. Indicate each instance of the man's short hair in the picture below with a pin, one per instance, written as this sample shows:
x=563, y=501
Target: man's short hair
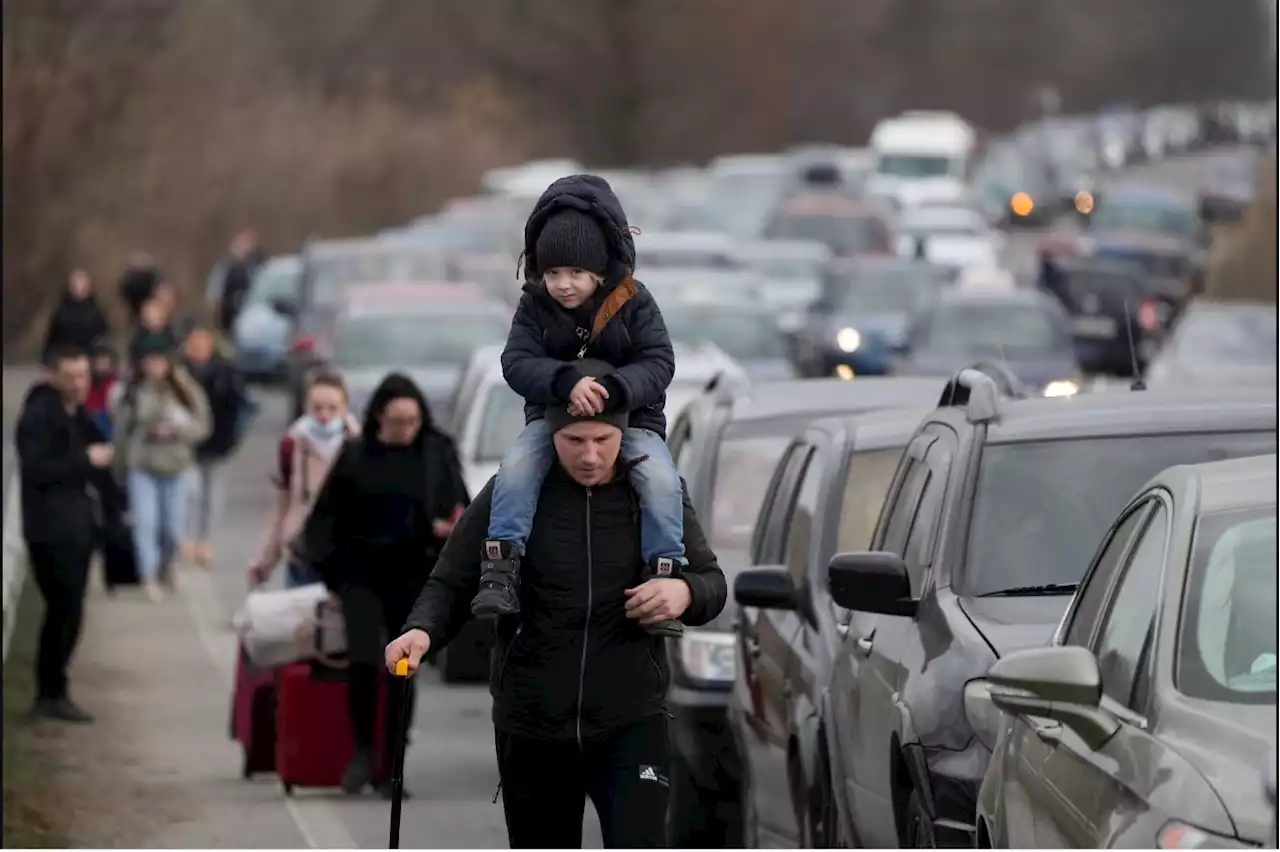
x=56, y=355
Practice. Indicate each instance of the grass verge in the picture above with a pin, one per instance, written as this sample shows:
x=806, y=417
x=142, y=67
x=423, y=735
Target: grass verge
x=32, y=805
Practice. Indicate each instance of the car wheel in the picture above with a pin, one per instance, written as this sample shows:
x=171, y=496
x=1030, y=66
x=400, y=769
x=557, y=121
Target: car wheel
x=918, y=830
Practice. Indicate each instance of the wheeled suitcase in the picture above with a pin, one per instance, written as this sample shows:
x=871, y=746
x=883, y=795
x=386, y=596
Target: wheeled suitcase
x=313, y=729
x=119, y=559
x=253, y=715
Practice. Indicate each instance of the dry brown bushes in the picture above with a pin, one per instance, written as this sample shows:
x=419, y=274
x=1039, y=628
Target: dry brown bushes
x=162, y=125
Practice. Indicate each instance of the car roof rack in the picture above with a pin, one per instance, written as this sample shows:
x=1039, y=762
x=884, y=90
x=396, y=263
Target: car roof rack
x=978, y=390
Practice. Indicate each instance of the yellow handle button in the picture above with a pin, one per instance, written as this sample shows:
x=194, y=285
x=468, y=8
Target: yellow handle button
x=402, y=667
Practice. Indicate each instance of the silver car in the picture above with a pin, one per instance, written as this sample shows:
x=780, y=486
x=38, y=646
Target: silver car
x=262, y=329
x=1150, y=720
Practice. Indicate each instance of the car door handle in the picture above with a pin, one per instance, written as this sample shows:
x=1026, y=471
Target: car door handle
x=864, y=643
x=1050, y=732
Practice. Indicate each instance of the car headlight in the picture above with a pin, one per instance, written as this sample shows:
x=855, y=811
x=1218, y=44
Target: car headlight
x=1179, y=835
x=708, y=656
x=985, y=718
x=848, y=339
x=1061, y=387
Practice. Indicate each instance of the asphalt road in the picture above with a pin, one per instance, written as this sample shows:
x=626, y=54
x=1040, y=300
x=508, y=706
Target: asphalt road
x=450, y=766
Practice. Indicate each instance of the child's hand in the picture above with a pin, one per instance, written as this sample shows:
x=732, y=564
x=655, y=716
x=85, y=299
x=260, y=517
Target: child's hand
x=587, y=397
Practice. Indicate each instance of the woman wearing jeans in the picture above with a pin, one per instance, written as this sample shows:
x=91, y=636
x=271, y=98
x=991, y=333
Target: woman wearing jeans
x=160, y=418
x=224, y=388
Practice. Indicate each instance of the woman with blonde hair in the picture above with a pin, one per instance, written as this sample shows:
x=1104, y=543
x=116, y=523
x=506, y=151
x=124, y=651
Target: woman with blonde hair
x=307, y=451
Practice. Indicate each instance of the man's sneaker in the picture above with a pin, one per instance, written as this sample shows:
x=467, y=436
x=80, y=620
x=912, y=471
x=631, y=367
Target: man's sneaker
x=359, y=771
x=664, y=568
x=499, y=576
x=61, y=709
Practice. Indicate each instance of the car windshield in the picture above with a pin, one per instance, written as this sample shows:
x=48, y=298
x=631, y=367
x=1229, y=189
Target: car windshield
x=275, y=280
x=739, y=333
x=883, y=291
x=845, y=234
x=743, y=470
x=1228, y=337
x=983, y=329
x=330, y=275
x=1227, y=647
x=500, y=424
x=1145, y=216
x=1041, y=507
x=913, y=165
x=366, y=341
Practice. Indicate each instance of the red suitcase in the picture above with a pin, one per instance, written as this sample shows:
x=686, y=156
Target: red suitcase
x=253, y=715
x=313, y=731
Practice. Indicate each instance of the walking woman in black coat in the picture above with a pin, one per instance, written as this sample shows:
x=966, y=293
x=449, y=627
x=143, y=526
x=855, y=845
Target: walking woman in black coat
x=78, y=322
x=375, y=531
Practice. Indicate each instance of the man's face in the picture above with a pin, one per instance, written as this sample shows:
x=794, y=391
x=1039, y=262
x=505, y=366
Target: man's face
x=71, y=376
x=588, y=451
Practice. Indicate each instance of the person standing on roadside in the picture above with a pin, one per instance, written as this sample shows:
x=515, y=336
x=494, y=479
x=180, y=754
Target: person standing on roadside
x=155, y=322
x=229, y=409
x=78, y=322
x=138, y=283
x=377, y=526
x=306, y=453
x=105, y=373
x=61, y=454
x=231, y=279
x=579, y=684
x=161, y=417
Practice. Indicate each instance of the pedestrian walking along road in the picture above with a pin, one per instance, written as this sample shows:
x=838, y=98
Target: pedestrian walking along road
x=383, y=515
x=61, y=454
x=580, y=689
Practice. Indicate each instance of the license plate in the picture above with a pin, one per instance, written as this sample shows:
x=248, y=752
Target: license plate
x=1095, y=326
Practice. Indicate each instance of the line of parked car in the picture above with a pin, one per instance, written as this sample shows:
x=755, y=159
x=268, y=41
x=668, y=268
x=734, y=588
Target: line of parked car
x=955, y=624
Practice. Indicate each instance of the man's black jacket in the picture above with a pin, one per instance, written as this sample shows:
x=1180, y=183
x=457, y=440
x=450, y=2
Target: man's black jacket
x=571, y=666
x=545, y=335
x=55, y=472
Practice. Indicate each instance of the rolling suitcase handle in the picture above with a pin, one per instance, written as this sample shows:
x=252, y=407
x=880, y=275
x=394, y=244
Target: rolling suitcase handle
x=397, y=752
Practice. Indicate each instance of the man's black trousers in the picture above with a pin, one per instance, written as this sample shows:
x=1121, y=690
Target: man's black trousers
x=61, y=572
x=545, y=785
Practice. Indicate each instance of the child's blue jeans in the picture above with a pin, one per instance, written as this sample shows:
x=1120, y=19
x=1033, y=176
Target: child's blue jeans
x=157, y=505
x=655, y=480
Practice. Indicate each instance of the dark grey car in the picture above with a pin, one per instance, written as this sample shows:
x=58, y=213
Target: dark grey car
x=1027, y=331
x=988, y=528
x=726, y=446
x=1150, y=721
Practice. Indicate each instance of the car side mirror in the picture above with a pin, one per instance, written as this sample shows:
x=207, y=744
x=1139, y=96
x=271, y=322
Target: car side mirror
x=765, y=588
x=1062, y=683
x=871, y=581
x=284, y=307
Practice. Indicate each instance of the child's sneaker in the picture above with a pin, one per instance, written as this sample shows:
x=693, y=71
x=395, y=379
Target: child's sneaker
x=664, y=568
x=499, y=576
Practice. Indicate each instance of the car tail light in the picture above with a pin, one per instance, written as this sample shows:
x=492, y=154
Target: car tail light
x=304, y=344
x=1149, y=317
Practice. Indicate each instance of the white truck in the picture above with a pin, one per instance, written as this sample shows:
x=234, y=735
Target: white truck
x=921, y=157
